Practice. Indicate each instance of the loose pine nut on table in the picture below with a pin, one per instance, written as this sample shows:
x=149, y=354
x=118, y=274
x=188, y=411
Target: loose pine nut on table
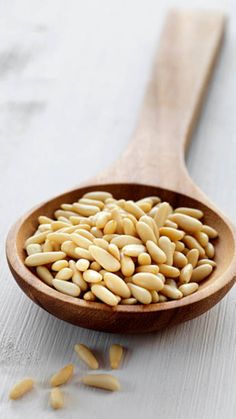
x=119, y=251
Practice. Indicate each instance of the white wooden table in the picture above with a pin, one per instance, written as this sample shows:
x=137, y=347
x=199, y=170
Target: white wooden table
x=72, y=75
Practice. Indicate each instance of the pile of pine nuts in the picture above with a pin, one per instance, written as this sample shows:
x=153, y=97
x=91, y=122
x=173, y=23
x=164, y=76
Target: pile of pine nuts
x=64, y=375
x=122, y=252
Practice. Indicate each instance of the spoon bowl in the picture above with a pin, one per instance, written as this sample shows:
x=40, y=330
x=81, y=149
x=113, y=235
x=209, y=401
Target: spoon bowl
x=154, y=157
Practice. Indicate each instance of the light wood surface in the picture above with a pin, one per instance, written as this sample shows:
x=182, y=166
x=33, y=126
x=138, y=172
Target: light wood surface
x=105, y=82
x=171, y=105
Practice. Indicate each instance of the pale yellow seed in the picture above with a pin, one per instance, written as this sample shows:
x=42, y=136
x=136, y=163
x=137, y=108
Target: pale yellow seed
x=59, y=237
x=89, y=296
x=98, y=195
x=95, y=266
x=69, y=248
x=162, y=213
x=115, y=284
x=210, y=250
x=82, y=265
x=50, y=246
x=66, y=214
x=209, y=261
x=202, y=238
x=104, y=258
x=179, y=246
x=38, y=259
x=133, y=250
x=42, y=219
x=188, y=289
x=145, y=232
x=155, y=252
x=86, y=355
x=21, y=388
x=113, y=249
x=186, y=273
x=131, y=218
x=104, y=381
x=162, y=298
x=148, y=281
x=128, y=301
x=69, y=229
x=77, y=277
x=155, y=296
x=145, y=206
x=44, y=227
x=38, y=238
x=64, y=274
x=109, y=237
x=59, y=264
x=124, y=240
x=193, y=256
x=85, y=210
x=101, y=243
x=92, y=276
x=81, y=241
x=65, y=287
x=115, y=355
x=129, y=227
x=134, y=209
x=179, y=260
x=193, y=212
x=201, y=272
x=110, y=227
x=85, y=233
x=172, y=233
x=65, y=220
x=33, y=248
x=144, y=259
x=171, y=292
x=116, y=215
x=141, y=294
x=153, y=269
x=96, y=232
x=192, y=243
x=82, y=253
x=103, y=294
x=102, y=219
x=127, y=265
x=56, y=398
x=95, y=202
x=170, y=224
x=57, y=225
x=210, y=231
x=62, y=376
x=171, y=282
x=187, y=223
x=67, y=207
x=166, y=246
x=169, y=271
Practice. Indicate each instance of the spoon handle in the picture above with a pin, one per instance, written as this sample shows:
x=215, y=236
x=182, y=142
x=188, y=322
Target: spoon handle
x=187, y=53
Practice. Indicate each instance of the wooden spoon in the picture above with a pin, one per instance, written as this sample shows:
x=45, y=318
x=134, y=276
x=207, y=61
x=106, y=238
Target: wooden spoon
x=188, y=49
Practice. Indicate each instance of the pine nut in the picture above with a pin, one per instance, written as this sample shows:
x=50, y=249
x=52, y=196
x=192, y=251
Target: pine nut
x=101, y=243
x=192, y=243
x=188, y=289
x=124, y=240
x=166, y=246
x=21, y=388
x=59, y=237
x=127, y=265
x=210, y=250
x=82, y=265
x=129, y=301
x=95, y=202
x=201, y=272
x=172, y=233
x=128, y=226
x=44, y=274
x=153, y=269
x=171, y=282
x=69, y=248
x=104, y=381
x=89, y=296
x=162, y=298
x=64, y=274
x=95, y=266
x=66, y=287
x=113, y=249
x=92, y=276
x=85, y=210
x=85, y=233
x=98, y=195
x=187, y=223
x=141, y=294
x=210, y=231
x=33, y=248
x=83, y=253
x=42, y=219
x=208, y=261
x=102, y=219
x=202, y=238
x=155, y=252
x=86, y=356
x=144, y=259
x=179, y=260
x=56, y=398
x=170, y=224
x=186, y=273
x=57, y=225
x=61, y=213
x=171, y=292
x=162, y=213
x=38, y=259
x=169, y=271
x=39, y=239
x=179, y=246
x=115, y=355
x=134, y=209
x=145, y=232
x=193, y=256
x=115, y=284
x=151, y=223
x=148, y=281
x=81, y=241
x=110, y=227
x=62, y=376
x=155, y=296
x=133, y=250
x=103, y=294
x=104, y=258
x=193, y=212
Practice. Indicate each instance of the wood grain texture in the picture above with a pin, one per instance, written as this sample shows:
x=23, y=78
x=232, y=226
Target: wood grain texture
x=190, y=368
